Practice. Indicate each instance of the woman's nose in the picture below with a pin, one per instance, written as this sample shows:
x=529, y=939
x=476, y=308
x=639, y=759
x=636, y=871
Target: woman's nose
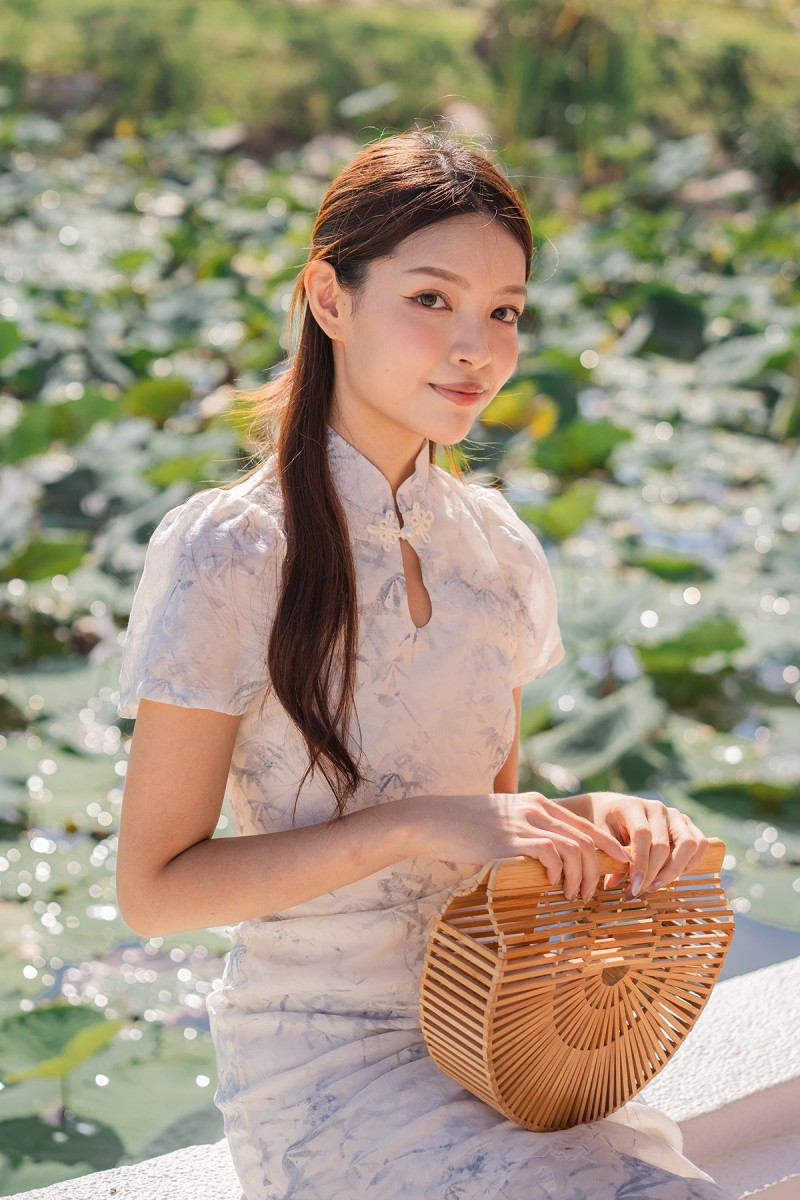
x=471, y=344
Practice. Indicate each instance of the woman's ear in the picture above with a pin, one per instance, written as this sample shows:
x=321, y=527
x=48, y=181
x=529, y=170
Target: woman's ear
x=324, y=296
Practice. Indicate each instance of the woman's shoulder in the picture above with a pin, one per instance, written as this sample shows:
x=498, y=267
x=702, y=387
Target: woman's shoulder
x=245, y=517
x=488, y=513
x=486, y=505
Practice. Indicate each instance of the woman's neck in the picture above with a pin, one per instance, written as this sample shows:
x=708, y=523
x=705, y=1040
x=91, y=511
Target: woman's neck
x=394, y=456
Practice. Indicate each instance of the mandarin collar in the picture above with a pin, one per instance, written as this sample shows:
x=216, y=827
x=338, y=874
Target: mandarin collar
x=362, y=486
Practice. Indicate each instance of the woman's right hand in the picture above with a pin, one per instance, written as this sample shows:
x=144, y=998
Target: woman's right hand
x=477, y=829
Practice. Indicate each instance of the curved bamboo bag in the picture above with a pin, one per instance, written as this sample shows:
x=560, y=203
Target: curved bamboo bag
x=557, y=1011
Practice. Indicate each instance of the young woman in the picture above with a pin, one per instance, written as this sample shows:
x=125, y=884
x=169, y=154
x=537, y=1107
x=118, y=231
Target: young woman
x=340, y=637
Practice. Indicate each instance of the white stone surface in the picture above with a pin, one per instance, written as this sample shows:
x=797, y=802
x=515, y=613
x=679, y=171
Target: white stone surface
x=733, y=1087
x=734, y=1084
x=196, y=1173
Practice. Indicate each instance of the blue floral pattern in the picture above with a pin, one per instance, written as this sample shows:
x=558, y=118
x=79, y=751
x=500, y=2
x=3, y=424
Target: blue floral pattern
x=324, y=1081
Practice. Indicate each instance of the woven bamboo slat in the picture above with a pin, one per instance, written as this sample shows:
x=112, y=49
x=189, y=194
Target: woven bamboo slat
x=557, y=1011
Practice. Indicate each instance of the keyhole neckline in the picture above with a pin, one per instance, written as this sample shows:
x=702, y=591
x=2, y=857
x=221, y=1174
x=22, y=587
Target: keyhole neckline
x=368, y=500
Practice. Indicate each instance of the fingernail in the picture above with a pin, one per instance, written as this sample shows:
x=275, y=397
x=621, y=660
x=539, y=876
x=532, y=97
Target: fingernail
x=637, y=881
x=657, y=883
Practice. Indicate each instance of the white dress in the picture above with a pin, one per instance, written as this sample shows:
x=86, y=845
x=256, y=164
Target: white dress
x=324, y=1081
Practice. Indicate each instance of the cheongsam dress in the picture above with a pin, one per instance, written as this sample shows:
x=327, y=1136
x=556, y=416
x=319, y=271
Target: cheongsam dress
x=324, y=1081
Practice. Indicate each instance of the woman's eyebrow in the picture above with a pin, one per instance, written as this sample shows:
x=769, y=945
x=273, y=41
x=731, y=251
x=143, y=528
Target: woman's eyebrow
x=458, y=279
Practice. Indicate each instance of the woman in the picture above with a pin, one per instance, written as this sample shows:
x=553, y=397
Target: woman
x=341, y=636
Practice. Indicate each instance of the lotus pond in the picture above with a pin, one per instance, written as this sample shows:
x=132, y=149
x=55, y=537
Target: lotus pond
x=649, y=436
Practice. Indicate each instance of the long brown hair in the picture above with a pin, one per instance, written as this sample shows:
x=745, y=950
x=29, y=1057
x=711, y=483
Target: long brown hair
x=390, y=190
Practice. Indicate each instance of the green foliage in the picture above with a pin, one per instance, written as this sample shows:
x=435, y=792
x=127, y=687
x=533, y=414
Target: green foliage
x=94, y=1146
x=582, y=76
x=156, y=398
x=406, y=63
x=58, y=1039
x=523, y=405
x=39, y=426
x=287, y=70
x=726, y=81
x=774, y=801
x=602, y=733
x=565, y=71
x=579, y=447
x=771, y=141
x=146, y=63
x=715, y=634
x=566, y=514
x=666, y=565
x=45, y=557
x=677, y=323
x=9, y=338
x=188, y=468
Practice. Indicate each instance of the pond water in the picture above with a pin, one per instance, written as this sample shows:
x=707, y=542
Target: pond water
x=757, y=945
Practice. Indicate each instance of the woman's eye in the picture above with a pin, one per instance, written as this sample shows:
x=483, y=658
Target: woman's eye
x=423, y=296
x=513, y=315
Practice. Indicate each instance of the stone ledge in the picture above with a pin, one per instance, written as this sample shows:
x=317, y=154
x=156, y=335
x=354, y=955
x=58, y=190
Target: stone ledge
x=194, y=1173
x=733, y=1087
x=734, y=1084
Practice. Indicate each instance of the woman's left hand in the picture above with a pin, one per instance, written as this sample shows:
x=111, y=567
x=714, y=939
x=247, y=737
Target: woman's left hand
x=664, y=842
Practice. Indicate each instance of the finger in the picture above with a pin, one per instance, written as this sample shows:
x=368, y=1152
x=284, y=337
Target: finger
x=650, y=840
x=590, y=869
x=562, y=856
x=579, y=859
x=581, y=866
x=563, y=820
x=544, y=850
x=578, y=846
x=689, y=848
x=702, y=843
x=641, y=841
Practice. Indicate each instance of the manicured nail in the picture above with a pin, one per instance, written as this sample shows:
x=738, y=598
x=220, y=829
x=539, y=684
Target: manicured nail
x=657, y=883
x=637, y=881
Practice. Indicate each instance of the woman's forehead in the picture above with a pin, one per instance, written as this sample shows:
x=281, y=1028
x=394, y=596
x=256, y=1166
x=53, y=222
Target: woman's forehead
x=456, y=242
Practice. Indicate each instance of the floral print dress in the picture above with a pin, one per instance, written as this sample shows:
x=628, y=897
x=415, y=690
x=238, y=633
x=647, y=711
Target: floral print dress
x=325, y=1084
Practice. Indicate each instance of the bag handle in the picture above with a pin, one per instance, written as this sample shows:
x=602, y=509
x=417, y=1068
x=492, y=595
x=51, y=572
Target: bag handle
x=523, y=874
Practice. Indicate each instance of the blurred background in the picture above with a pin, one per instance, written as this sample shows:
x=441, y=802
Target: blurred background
x=160, y=166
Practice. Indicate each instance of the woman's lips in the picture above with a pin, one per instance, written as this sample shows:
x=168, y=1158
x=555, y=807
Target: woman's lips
x=464, y=398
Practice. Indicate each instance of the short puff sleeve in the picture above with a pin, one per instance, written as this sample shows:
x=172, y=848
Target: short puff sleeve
x=199, y=623
x=529, y=584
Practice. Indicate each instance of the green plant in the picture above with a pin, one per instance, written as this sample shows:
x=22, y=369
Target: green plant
x=17, y=35
x=771, y=146
x=563, y=70
x=146, y=61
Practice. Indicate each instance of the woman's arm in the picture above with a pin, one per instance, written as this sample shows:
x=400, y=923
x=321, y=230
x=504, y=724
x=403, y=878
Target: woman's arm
x=173, y=875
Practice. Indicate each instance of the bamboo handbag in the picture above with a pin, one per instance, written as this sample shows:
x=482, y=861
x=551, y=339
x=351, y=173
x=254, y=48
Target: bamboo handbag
x=555, y=1011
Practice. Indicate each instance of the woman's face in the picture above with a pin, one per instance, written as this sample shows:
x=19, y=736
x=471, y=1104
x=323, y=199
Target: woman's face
x=420, y=355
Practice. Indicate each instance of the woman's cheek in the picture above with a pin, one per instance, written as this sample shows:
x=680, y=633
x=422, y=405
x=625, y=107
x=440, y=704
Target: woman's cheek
x=506, y=352
x=420, y=337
